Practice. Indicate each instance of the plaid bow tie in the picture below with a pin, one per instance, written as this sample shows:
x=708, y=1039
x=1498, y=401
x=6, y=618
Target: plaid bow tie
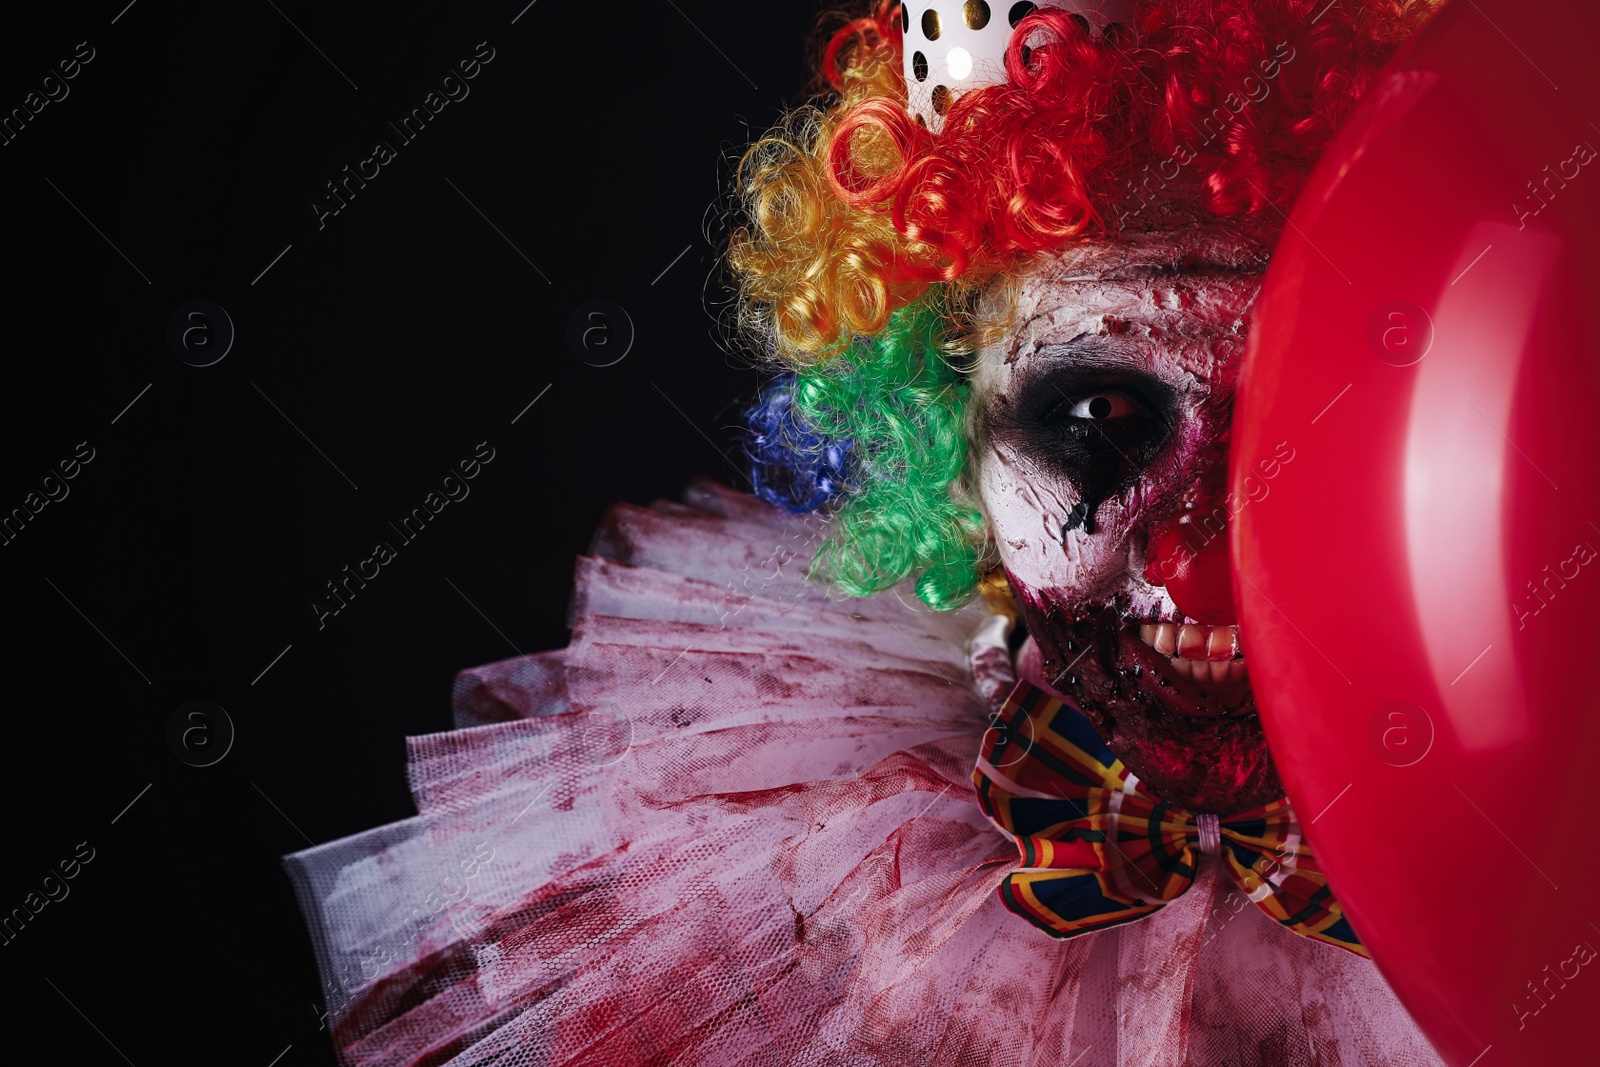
x=1099, y=850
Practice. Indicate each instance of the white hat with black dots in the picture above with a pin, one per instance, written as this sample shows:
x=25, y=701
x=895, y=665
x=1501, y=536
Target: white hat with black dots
x=952, y=46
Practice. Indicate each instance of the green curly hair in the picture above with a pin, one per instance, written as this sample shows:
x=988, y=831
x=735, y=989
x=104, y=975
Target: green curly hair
x=902, y=405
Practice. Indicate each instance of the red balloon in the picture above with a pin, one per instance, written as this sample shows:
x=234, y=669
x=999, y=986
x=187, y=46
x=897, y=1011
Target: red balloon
x=1419, y=584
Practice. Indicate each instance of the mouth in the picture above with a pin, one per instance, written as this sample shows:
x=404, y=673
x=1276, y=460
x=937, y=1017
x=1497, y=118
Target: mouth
x=1171, y=699
x=1186, y=669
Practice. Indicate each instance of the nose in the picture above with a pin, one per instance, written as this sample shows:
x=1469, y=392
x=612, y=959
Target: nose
x=1189, y=554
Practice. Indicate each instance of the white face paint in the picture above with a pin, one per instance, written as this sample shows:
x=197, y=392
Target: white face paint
x=1102, y=412
x=1141, y=328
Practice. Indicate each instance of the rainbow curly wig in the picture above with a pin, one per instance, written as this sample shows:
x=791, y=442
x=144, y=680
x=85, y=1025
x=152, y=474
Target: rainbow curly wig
x=866, y=239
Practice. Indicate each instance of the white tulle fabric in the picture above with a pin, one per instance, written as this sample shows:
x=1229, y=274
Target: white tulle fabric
x=733, y=825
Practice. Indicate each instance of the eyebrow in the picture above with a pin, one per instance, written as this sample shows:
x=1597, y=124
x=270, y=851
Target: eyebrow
x=1085, y=351
x=1150, y=269
x=1251, y=261
x=1084, y=348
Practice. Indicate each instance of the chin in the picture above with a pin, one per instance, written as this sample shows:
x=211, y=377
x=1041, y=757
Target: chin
x=1172, y=702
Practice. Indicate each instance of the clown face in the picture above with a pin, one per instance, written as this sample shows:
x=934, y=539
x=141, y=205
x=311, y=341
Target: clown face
x=1101, y=443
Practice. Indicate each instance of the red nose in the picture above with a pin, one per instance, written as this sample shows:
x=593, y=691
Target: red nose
x=1190, y=557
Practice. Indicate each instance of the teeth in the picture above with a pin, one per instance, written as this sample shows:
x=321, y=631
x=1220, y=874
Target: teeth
x=1161, y=636
x=1203, y=653
x=1215, y=673
x=1192, y=641
x=1221, y=642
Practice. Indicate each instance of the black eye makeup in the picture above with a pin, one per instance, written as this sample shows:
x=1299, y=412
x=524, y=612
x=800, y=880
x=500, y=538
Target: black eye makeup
x=1096, y=424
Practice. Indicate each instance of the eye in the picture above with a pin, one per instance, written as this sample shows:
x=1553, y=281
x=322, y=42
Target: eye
x=1103, y=406
x=1097, y=426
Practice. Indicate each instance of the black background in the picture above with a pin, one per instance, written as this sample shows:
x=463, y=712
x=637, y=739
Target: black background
x=374, y=354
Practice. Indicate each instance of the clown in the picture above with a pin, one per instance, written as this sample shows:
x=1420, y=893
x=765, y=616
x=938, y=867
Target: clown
x=1105, y=217
x=1005, y=269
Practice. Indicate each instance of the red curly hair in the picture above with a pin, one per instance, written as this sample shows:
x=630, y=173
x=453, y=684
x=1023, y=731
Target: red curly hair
x=856, y=208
